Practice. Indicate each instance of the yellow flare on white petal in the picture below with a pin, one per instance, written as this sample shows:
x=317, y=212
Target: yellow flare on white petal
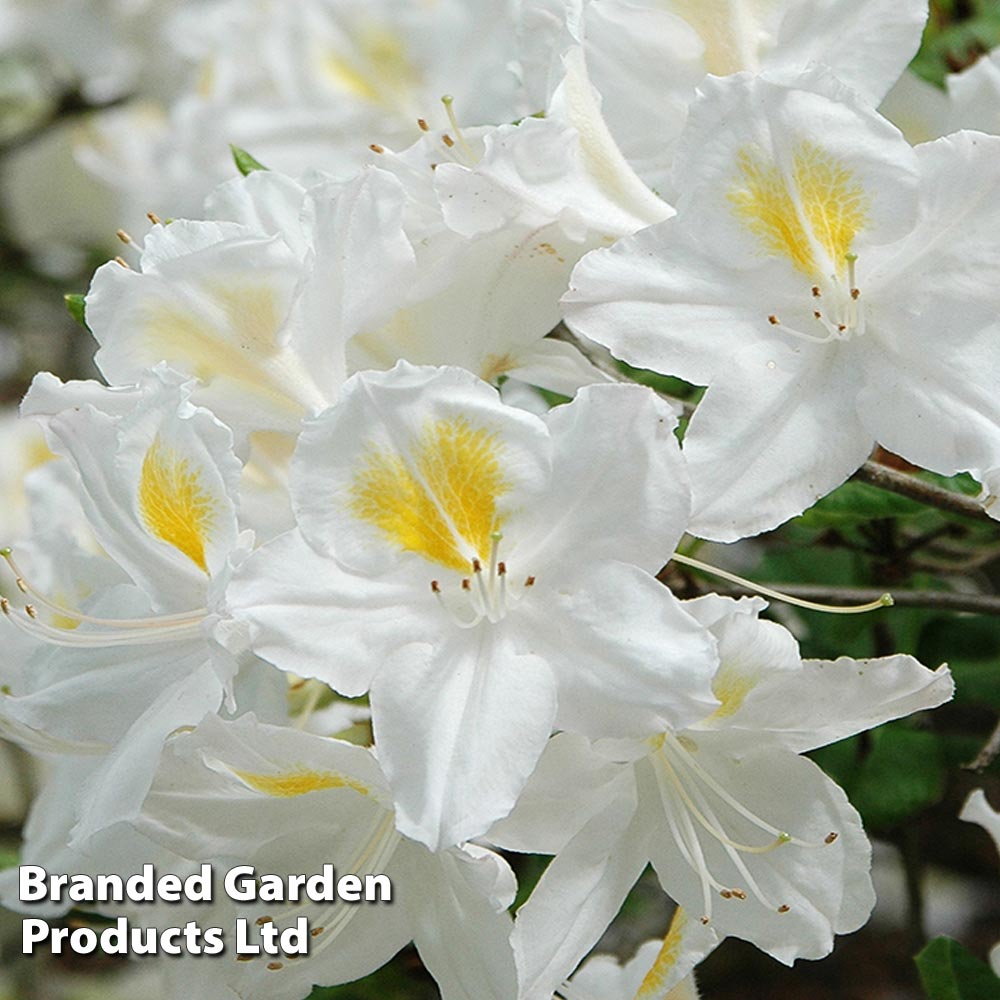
x=291, y=784
x=821, y=206
x=731, y=687
x=174, y=504
x=444, y=496
x=652, y=987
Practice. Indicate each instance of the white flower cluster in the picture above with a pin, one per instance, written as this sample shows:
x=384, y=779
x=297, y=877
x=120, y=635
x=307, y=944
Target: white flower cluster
x=300, y=485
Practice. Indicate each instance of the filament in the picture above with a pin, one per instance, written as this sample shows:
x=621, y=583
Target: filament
x=885, y=601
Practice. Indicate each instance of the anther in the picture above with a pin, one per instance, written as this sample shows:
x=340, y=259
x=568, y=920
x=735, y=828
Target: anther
x=422, y=124
x=435, y=587
x=21, y=585
x=530, y=582
x=855, y=293
x=738, y=893
x=830, y=838
x=841, y=327
x=154, y=218
x=4, y=605
x=477, y=566
x=447, y=140
x=726, y=893
x=275, y=966
x=705, y=921
x=245, y=958
x=501, y=569
x=784, y=908
x=816, y=292
x=122, y=262
x=376, y=148
x=773, y=320
x=817, y=315
x=316, y=931
x=124, y=237
x=264, y=920
x=30, y=611
x=466, y=584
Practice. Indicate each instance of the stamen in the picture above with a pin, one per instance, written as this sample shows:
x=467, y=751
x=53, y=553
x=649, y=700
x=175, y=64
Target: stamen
x=376, y=148
x=885, y=601
x=122, y=262
x=816, y=292
x=422, y=125
x=530, y=582
x=449, y=106
x=152, y=621
x=154, y=218
x=447, y=140
x=773, y=320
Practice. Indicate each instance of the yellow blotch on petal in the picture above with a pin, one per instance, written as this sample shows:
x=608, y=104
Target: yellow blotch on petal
x=651, y=987
x=820, y=207
x=445, y=495
x=300, y=782
x=731, y=686
x=175, y=506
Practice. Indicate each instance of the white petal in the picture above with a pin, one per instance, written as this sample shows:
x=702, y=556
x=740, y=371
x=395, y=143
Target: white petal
x=773, y=437
x=306, y=614
x=459, y=727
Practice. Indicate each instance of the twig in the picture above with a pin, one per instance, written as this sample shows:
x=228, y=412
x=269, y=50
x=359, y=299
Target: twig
x=943, y=600
x=987, y=755
x=876, y=474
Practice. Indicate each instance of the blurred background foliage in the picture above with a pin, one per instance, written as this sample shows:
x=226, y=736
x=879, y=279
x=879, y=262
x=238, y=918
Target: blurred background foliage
x=935, y=875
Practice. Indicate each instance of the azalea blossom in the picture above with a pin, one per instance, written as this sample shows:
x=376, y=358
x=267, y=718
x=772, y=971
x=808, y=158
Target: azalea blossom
x=978, y=810
x=750, y=838
x=288, y=802
x=477, y=569
x=832, y=287
x=156, y=480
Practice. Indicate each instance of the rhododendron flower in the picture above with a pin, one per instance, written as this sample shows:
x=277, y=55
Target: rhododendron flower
x=831, y=286
x=487, y=575
x=748, y=836
x=288, y=802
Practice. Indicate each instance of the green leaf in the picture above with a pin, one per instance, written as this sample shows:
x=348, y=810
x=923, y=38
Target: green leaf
x=971, y=648
x=76, y=306
x=949, y=972
x=245, y=163
x=858, y=503
x=902, y=773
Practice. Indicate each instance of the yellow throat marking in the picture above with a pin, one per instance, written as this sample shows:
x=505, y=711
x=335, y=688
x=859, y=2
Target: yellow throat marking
x=822, y=206
x=652, y=986
x=291, y=784
x=444, y=496
x=173, y=503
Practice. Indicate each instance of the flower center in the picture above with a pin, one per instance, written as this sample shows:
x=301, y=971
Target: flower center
x=485, y=594
x=837, y=312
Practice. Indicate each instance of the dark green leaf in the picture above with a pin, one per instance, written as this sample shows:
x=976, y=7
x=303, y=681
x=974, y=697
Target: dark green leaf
x=949, y=972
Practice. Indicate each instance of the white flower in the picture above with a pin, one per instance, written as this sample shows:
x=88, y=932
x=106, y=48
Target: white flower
x=157, y=480
x=479, y=569
x=742, y=831
x=831, y=286
x=289, y=802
